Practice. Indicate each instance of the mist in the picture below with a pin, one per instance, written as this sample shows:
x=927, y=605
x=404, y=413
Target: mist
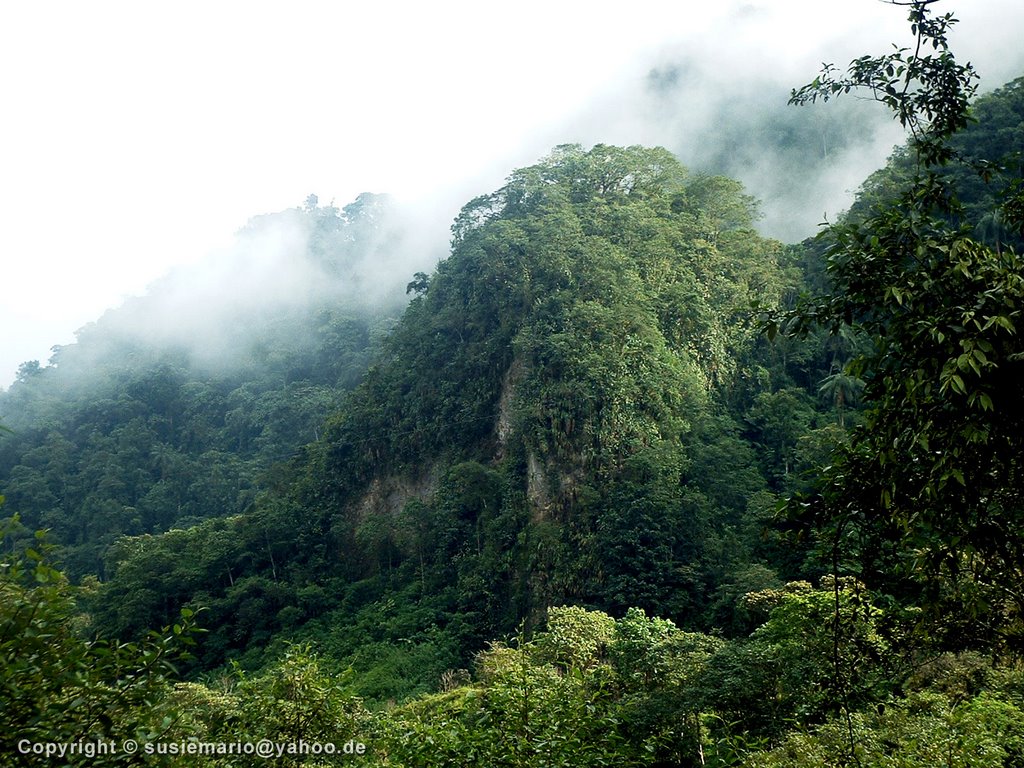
x=718, y=99
x=277, y=272
x=710, y=85
x=803, y=165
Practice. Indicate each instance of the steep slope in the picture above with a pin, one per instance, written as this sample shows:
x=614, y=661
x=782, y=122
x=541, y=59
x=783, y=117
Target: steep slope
x=167, y=410
x=555, y=417
x=594, y=307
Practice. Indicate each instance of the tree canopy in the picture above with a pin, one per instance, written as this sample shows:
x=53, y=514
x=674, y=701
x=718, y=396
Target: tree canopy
x=931, y=482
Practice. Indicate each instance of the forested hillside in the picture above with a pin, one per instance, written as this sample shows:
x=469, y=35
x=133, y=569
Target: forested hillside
x=172, y=408
x=624, y=483
x=574, y=407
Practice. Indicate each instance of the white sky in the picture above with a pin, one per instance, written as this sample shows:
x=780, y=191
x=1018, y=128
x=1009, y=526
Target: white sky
x=137, y=135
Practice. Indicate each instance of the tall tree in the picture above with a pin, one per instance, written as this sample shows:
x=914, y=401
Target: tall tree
x=932, y=483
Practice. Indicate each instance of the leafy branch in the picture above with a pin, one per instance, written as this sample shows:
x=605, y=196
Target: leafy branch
x=926, y=89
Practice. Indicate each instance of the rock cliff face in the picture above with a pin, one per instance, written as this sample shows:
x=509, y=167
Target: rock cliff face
x=504, y=426
x=538, y=489
x=387, y=496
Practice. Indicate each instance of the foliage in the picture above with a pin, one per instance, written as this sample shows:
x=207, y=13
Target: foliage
x=56, y=686
x=132, y=431
x=294, y=702
x=586, y=691
x=930, y=483
x=819, y=651
x=924, y=730
x=985, y=170
x=928, y=92
x=566, y=411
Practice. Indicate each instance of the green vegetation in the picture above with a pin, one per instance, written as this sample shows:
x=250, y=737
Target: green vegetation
x=136, y=429
x=552, y=420
x=585, y=689
x=573, y=507
x=926, y=498
x=57, y=686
